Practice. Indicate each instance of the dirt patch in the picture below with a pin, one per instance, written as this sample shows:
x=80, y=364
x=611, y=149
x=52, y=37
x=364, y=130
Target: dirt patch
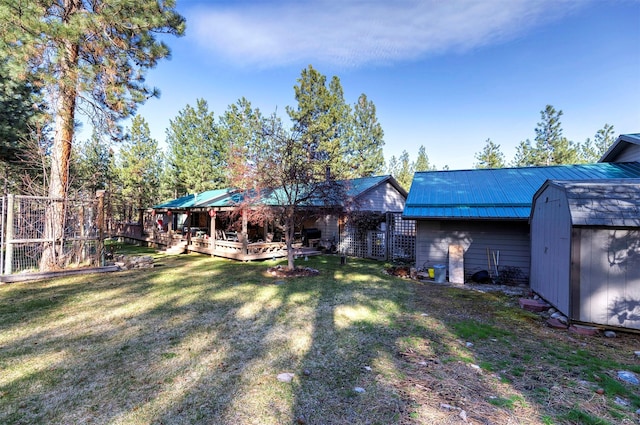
x=400, y=271
x=280, y=271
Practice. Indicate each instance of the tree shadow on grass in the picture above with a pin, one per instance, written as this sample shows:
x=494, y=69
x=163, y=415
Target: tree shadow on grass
x=202, y=340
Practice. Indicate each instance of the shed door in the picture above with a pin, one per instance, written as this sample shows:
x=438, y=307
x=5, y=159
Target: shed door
x=609, y=277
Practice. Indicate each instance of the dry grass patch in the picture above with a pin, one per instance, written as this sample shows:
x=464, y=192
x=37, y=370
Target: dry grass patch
x=202, y=340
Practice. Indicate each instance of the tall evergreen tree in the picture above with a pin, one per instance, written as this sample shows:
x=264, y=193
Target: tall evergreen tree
x=551, y=147
x=79, y=50
x=422, y=162
x=365, y=140
x=525, y=155
x=320, y=120
x=592, y=151
x=241, y=128
x=139, y=166
x=94, y=165
x=405, y=171
x=196, y=153
x=490, y=157
x=393, y=166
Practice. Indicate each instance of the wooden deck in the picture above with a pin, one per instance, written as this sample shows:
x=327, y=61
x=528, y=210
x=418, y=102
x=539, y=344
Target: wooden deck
x=222, y=248
x=248, y=252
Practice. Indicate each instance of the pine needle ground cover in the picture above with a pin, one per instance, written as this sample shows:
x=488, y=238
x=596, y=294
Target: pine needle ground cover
x=198, y=340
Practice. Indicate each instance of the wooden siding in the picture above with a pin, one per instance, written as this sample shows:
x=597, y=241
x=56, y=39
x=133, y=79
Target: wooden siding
x=383, y=198
x=551, y=248
x=511, y=239
x=609, y=277
x=631, y=153
x=328, y=226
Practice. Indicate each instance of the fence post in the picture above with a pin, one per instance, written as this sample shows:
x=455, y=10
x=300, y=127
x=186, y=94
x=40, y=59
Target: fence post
x=9, y=254
x=100, y=219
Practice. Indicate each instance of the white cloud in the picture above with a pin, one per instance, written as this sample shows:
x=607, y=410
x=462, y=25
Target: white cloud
x=356, y=33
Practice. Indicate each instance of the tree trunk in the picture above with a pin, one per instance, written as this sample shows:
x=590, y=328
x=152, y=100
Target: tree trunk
x=60, y=156
x=289, y=236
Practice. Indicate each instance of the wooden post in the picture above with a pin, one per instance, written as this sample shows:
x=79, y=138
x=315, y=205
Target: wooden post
x=9, y=235
x=100, y=224
x=245, y=238
x=212, y=238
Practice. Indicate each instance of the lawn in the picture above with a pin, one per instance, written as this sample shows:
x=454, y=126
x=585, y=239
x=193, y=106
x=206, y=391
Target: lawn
x=199, y=340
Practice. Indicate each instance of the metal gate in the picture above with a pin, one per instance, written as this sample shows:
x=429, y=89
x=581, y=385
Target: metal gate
x=26, y=234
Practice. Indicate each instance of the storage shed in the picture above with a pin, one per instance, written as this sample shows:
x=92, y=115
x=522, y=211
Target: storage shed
x=585, y=249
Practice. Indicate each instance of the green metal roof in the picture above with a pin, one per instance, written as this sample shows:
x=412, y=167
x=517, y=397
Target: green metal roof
x=503, y=193
x=195, y=200
x=224, y=198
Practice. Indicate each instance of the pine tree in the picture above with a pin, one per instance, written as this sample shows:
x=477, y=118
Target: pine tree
x=490, y=157
x=321, y=120
x=422, y=162
x=365, y=140
x=196, y=153
x=139, y=166
x=592, y=150
x=90, y=55
x=525, y=155
x=94, y=165
x=240, y=127
x=551, y=147
x=405, y=171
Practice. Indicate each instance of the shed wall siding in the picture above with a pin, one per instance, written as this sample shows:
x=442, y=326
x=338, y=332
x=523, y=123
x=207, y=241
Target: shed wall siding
x=551, y=248
x=610, y=277
x=383, y=198
x=477, y=239
x=630, y=154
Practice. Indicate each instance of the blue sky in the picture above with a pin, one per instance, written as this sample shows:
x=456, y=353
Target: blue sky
x=444, y=74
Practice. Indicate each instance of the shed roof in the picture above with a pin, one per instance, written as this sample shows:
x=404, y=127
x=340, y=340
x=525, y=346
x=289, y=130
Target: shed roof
x=619, y=145
x=610, y=202
x=496, y=194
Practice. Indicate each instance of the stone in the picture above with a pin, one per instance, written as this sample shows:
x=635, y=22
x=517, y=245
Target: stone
x=306, y=372
x=584, y=330
x=621, y=402
x=285, y=377
x=359, y=390
x=556, y=323
x=469, y=344
x=629, y=377
x=535, y=305
x=610, y=334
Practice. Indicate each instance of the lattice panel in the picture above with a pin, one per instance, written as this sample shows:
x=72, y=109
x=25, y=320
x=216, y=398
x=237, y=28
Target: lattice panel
x=402, y=234
x=352, y=245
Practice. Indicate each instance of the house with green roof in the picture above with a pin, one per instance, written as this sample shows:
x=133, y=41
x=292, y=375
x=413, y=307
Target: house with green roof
x=217, y=220
x=481, y=216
